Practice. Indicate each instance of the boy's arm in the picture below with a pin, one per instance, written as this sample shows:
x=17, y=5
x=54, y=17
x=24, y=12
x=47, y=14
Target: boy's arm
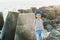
x=42, y=26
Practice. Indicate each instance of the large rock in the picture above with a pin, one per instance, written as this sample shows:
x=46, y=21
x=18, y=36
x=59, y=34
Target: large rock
x=51, y=24
x=57, y=10
x=48, y=27
x=51, y=12
x=58, y=27
x=8, y=31
x=24, y=26
x=54, y=35
x=46, y=34
x=1, y=20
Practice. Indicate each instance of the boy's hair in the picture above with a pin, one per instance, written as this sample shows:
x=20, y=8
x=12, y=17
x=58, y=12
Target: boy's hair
x=38, y=12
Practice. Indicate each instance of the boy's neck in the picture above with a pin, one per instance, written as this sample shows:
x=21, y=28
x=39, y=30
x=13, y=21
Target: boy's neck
x=38, y=18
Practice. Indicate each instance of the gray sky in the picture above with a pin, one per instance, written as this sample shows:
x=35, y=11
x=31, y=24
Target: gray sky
x=6, y=5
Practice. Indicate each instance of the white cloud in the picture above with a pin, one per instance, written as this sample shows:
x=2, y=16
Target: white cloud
x=26, y=3
x=9, y=4
x=6, y=5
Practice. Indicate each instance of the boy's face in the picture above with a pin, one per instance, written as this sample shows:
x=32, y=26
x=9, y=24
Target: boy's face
x=38, y=16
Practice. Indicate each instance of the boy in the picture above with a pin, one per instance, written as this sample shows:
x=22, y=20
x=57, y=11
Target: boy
x=38, y=25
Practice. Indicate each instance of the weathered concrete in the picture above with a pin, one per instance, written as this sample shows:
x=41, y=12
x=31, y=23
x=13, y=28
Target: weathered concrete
x=1, y=20
x=33, y=9
x=8, y=31
x=24, y=25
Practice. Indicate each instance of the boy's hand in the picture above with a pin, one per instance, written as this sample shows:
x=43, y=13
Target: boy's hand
x=32, y=31
x=43, y=29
